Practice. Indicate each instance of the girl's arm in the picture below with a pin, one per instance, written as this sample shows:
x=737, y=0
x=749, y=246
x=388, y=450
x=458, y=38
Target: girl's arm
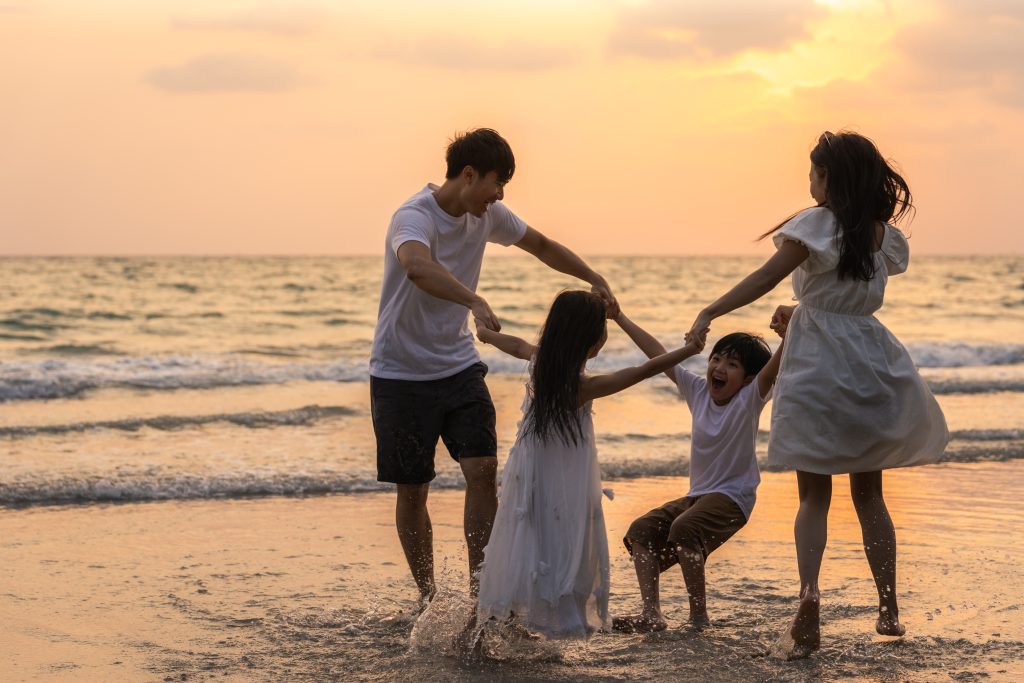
x=606, y=385
x=644, y=340
x=763, y=280
x=513, y=346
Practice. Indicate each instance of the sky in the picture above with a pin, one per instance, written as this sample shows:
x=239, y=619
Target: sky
x=639, y=127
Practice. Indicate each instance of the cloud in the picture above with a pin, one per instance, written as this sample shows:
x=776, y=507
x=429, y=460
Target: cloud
x=278, y=19
x=976, y=46
x=687, y=29
x=453, y=52
x=225, y=73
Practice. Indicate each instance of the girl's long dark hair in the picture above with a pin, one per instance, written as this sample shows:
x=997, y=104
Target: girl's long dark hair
x=862, y=189
x=575, y=324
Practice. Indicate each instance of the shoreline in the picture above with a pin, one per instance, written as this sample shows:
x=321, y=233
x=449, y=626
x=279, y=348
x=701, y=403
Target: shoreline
x=316, y=586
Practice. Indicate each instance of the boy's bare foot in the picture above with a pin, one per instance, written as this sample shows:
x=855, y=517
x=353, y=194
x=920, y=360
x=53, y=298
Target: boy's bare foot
x=639, y=623
x=888, y=623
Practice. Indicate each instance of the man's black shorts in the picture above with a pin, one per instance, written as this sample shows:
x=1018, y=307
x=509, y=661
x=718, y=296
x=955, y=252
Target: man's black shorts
x=409, y=416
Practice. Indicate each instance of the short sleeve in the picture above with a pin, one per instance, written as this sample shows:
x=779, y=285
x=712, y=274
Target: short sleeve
x=411, y=225
x=687, y=383
x=896, y=250
x=815, y=228
x=506, y=227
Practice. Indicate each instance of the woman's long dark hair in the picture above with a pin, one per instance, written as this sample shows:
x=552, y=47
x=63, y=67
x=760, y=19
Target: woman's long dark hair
x=575, y=324
x=862, y=189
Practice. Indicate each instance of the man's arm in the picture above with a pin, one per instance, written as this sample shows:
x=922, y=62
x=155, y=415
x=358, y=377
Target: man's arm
x=557, y=257
x=435, y=280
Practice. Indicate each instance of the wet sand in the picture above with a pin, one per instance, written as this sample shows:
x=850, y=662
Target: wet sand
x=316, y=588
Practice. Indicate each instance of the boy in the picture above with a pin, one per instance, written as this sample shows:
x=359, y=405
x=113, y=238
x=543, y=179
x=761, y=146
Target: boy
x=726, y=406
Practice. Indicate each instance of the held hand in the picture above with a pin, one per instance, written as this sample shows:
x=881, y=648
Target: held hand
x=696, y=342
x=780, y=319
x=700, y=328
x=611, y=305
x=481, y=331
x=483, y=315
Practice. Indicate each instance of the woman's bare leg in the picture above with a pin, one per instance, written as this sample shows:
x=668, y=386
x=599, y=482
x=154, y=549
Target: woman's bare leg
x=880, y=547
x=811, y=534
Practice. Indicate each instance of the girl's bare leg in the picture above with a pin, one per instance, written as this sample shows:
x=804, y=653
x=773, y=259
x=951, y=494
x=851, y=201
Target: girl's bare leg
x=880, y=547
x=811, y=534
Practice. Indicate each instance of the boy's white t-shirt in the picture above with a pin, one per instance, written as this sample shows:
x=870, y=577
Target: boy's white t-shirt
x=723, y=454
x=419, y=336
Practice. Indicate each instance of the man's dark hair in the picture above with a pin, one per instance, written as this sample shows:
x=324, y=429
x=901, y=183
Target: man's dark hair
x=750, y=350
x=484, y=150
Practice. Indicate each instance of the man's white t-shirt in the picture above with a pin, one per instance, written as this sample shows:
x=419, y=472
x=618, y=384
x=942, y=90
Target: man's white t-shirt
x=723, y=455
x=419, y=336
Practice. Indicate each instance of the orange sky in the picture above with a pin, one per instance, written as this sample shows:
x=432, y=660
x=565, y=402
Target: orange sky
x=249, y=127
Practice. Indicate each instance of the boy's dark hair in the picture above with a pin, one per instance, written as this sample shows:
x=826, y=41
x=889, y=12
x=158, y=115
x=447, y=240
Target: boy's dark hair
x=484, y=150
x=750, y=350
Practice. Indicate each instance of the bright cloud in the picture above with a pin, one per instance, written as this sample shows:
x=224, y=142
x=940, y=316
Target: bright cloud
x=458, y=52
x=672, y=29
x=278, y=19
x=225, y=73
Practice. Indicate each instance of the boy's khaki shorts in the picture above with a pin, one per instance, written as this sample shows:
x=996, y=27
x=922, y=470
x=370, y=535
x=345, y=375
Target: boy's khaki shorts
x=700, y=523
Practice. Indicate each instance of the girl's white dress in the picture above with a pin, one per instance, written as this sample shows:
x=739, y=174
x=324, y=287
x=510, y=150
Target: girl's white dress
x=848, y=396
x=547, y=559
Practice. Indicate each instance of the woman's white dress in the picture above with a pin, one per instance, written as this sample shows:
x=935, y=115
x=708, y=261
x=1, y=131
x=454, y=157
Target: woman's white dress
x=848, y=396
x=547, y=559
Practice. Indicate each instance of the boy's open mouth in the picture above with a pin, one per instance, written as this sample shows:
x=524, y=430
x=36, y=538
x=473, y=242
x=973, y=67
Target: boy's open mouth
x=717, y=383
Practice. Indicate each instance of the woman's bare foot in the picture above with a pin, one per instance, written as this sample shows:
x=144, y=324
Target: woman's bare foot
x=806, y=628
x=698, y=622
x=639, y=623
x=888, y=623
x=804, y=635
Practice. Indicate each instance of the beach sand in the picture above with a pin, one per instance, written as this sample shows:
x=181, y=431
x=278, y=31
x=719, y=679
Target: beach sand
x=316, y=588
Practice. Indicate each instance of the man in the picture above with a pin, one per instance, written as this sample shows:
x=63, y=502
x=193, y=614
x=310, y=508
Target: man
x=426, y=378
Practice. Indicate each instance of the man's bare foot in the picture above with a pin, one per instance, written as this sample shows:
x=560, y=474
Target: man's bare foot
x=698, y=622
x=639, y=623
x=888, y=623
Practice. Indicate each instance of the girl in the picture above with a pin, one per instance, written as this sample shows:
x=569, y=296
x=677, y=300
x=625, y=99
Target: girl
x=848, y=397
x=547, y=559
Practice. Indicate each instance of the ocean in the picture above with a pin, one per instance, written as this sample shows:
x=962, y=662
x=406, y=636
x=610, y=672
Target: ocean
x=131, y=379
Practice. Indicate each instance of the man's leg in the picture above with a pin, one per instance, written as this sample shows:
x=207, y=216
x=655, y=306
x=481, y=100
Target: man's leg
x=880, y=547
x=406, y=424
x=481, y=506
x=416, y=535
